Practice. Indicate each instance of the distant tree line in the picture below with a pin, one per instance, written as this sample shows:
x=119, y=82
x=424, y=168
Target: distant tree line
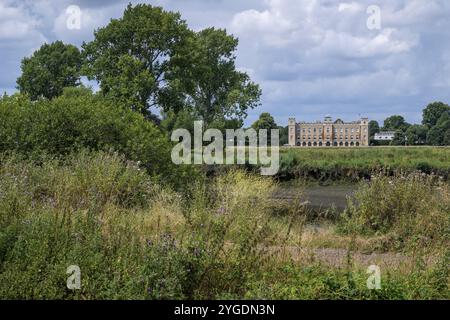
x=434, y=130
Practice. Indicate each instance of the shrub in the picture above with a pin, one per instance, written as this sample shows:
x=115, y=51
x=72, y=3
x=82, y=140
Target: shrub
x=412, y=209
x=79, y=119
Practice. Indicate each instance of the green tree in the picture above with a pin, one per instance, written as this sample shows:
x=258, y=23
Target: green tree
x=217, y=92
x=183, y=119
x=374, y=128
x=438, y=135
x=284, y=135
x=395, y=122
x=135, y=58
x=79, y=120
x=49, y=70
x=416, y=134
x=433, y=112
x=265, y=121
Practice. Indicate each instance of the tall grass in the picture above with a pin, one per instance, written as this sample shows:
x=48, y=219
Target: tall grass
x=409, y=210
x=130, y=237
x=353, y=164
x=134, y=239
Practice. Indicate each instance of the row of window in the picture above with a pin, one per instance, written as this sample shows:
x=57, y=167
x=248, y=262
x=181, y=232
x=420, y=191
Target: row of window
x=328, y=138
x=328, y=144
x=352, y=130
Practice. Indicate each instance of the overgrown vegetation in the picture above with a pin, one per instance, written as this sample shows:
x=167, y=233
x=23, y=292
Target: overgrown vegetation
x=135, y=239
x=80, y=119
x=410, y=211
x=87, y=179
x=336, y=164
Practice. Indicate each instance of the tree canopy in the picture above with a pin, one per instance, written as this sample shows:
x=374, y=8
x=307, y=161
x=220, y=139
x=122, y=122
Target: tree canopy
x=433, y=112
x=217, y=90
x=49, y=70
x=440, y=133
x=135, y=57
x=265, y=121
x=150, y=58
x=395, y=122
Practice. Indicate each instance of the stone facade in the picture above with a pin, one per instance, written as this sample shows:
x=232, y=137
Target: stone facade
x=329, y=133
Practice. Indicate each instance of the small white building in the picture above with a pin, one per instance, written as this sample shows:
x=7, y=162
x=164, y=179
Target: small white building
x=385, y=136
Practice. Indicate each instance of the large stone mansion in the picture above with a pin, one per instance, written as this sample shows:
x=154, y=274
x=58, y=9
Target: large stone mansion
x=329, y=133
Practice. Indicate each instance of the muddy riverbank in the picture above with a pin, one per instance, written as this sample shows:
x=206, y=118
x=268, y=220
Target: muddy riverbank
x=317, y=197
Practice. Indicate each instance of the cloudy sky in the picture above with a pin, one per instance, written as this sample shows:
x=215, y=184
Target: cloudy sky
x=310, y=57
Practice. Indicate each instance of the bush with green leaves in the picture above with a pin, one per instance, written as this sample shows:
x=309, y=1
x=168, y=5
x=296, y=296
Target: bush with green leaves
x=412, y=210
x=80, y=119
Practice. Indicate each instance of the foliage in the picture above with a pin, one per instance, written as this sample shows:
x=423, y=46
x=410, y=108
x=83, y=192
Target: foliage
x=79, y=119
x=417, y=134
x=183, y=119
x=133, y=239
x=265, y=121
x=395, y=122
x=353, y=164
x=413, y=209
x=433, y=112
x=284, y=135
x=135, y=57
x=49, y=70
x=374, y=128
x=217, y=91
x=439, y=135
x=130, y=237
x=150, y=58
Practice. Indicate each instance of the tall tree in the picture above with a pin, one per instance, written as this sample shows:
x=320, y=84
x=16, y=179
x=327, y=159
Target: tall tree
x=374, y=128
x=265, y=121
x=433, y=112
x=284, y=135
x=438, y=134
x=49, y=70
x=134, y=58
x=395, y=122
x=416, y=134
x=218, y=91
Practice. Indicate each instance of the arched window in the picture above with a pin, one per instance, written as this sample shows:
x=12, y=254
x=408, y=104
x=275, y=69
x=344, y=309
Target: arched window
x=346, y=144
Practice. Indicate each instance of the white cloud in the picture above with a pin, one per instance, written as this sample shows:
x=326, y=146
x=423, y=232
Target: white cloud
x=17, y=24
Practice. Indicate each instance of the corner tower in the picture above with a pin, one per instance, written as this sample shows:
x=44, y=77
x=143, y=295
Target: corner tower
x=292, y=132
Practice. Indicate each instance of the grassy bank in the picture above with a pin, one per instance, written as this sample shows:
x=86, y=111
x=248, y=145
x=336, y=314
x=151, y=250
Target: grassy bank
x=352, y=164
x=134, y=239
